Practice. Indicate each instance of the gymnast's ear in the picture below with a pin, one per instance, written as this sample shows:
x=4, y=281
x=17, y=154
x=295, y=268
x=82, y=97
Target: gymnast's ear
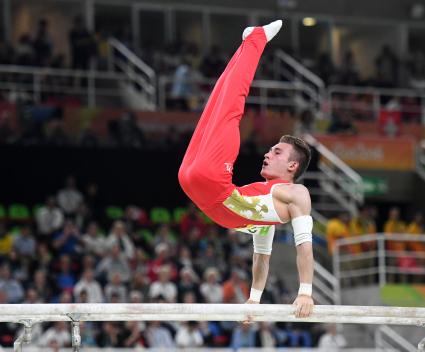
x=293, y=165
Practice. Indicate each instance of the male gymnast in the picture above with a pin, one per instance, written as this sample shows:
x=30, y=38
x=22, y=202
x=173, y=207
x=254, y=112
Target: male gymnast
x=207, y=168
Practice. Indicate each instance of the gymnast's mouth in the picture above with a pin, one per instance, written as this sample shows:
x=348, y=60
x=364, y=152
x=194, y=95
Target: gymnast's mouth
x=265, y=163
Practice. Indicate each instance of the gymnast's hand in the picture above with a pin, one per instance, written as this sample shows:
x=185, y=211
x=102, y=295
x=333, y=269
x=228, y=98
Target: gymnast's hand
x=249, y=318
x=304, y=306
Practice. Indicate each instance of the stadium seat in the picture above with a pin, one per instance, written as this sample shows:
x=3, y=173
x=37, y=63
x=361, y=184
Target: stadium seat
x=178, y=214
x=160, y=215
x=2, y=212
x=114, y=213
x=19, y=212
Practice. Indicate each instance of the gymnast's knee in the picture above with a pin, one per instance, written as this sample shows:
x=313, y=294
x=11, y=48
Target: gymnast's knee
x=191, y=176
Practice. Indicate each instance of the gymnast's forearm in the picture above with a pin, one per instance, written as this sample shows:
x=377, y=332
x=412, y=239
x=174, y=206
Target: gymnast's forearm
x=260, y=270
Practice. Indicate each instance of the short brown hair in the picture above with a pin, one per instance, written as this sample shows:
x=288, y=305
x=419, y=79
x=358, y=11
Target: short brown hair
x=301, y=153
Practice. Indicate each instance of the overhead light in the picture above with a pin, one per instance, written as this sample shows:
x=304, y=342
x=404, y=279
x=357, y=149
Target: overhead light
x=309, y=21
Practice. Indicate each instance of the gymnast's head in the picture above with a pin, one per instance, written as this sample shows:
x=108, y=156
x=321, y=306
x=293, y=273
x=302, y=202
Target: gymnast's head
x=287, y=160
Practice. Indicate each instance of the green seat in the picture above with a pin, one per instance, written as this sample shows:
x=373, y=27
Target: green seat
x=114, y=213
x=160, y=215
x=178, y=213
x=2, y=212
x=18, y=212
x=147, y=235
x=35, y=209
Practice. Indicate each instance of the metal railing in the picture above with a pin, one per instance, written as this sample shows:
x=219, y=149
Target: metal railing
x=326, y=286
x=39, y=83
x=385, y=337
x=263, y=93
x=374, y=261
x=373, y=100
x=139, y=76
x=286, y=67
x=336, y=179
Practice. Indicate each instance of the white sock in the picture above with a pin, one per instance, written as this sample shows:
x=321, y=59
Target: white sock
x=270, y=30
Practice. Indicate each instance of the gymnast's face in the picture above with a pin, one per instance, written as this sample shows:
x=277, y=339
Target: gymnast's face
x=279, y=163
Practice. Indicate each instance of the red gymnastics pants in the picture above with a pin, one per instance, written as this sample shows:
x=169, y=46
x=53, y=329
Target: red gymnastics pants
x=206, y=171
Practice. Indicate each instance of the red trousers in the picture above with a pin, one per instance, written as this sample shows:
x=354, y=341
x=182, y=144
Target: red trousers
x=207, y=167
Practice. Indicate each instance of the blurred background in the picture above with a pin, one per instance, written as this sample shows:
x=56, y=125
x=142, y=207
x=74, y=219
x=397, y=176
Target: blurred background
x=98, y=100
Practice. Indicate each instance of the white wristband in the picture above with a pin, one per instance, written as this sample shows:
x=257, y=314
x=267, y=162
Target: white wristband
x=255, y=295
x=305, y=289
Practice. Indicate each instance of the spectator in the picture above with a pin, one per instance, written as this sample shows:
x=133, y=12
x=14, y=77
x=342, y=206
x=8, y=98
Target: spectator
x=349, y=74
x=342, y=124
x=31, y=296
x=211, y=290
x=164, y=287
x=11, y=287
x=140, y=283
x=59, y=333
x=266, y=335
x=188, y=283
x=210, y=258
x=6, y=240
x=416, y=227
x=114, y=262
x=192, y=219
x=162, y=252
x=65, y=278
x=132, y=335
x=164, y=235
x=68, y=241
x=109, y=335
x=115, y=287
x=337, y=228
x=387, y=68
x=24, y=51
x=69, y=198
x=243, y=336
x=24, y=243
x=213, y=63
x=235, y=290
x=119, y=237
x=189, y=335
x=41, y=286
x=49, y=218
x=332, y=340
x=393, y=226
x=42, y=44
x=181, y=90
x=7, y=331
x=93, y=241
x=91, y=286
x=157, y=336
x=82, y=45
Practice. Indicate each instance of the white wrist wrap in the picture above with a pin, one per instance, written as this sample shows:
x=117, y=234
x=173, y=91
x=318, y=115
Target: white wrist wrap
x=303, y=226
x=255, y=295
x=305, y=289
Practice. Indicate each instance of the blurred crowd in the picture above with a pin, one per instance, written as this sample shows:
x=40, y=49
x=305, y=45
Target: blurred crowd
x=410, y=260
x=70, y=251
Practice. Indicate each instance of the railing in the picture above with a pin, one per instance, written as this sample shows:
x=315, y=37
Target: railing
x=263, y=93
x=385, y=337
x=377, y=253
x=420, y=160
x=337, y=179
x=39, y=83
x=139, y=75
x=371, y=101
x=286, y=67
x=30, y=314
x=326, y=286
